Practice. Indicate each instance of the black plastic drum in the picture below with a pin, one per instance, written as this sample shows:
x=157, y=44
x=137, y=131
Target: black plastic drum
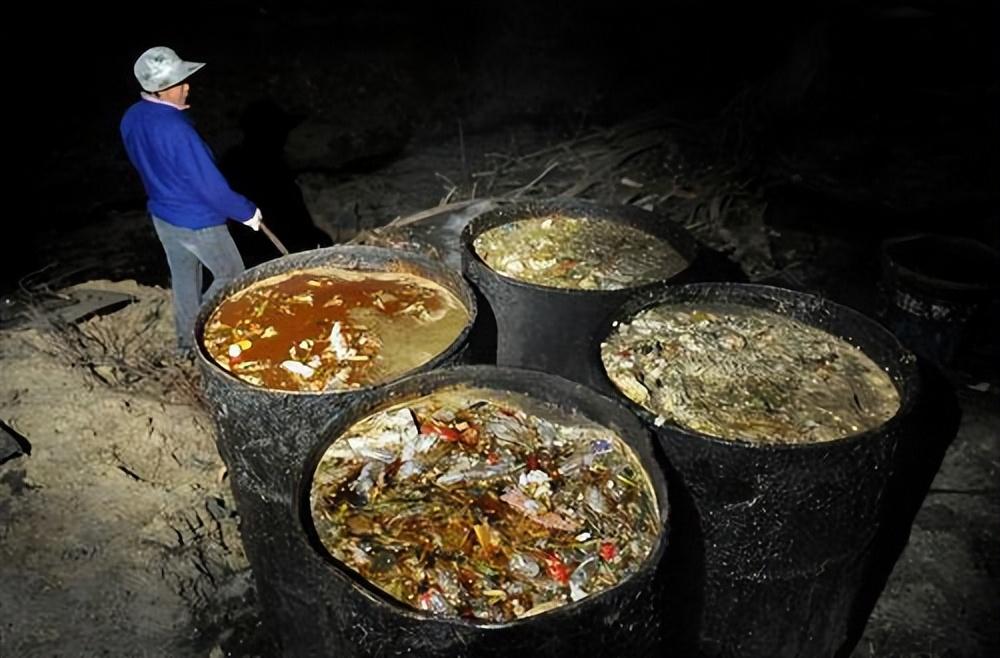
x=937, y=290
x=324, y=609
x=782, y=550
x=551, y=329
x=263, y=434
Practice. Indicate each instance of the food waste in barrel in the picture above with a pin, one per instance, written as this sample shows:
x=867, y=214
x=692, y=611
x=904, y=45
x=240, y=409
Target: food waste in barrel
x=561, y=251
x=483, y=504
x=736, y=372
x=332, y=329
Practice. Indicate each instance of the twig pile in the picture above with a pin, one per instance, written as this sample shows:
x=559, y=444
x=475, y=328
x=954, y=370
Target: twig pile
x=129, y=349
x=638, y=163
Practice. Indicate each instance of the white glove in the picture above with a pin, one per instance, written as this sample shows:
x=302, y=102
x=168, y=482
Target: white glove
x=253, y=222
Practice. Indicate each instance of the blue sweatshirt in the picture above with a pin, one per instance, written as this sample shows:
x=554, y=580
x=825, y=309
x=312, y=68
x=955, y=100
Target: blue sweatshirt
x=184, y=186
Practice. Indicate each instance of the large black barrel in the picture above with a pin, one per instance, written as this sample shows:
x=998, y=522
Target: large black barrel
x=937, y=289
x=777, y=547
x=326, y=609
x=262, y=434
x=550, y=329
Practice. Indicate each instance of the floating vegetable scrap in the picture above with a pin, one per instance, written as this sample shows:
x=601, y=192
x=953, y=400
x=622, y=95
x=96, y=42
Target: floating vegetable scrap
x=482, y=504
x=328, y=328
x=577, y=252
x=737, y=372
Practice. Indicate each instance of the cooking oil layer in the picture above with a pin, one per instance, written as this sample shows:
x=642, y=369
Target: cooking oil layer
x=736, y=372
x=328, y=328
x=484, y=504
x=575, y=252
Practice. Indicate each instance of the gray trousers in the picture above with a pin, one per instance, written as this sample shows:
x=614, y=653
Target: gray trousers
x=187, y=250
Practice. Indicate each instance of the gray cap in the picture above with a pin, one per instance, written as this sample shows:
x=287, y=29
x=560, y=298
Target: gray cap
x=160, y=68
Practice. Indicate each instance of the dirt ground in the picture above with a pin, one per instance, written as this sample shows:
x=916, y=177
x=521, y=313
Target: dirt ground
x=118, y=535
x=942, y=598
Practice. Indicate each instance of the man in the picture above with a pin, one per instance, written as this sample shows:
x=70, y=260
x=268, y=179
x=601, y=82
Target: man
x=188, y=198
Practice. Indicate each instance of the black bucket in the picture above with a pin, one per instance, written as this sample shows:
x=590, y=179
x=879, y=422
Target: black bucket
x=551, y=329
x=777, y=547
x=263, y=433
x=324, y=609
x=937, y=288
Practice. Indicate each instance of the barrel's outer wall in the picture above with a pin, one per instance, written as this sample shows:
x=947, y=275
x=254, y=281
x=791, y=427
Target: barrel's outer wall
x=932, y=428
x=321, y=610
x=780, y=545
x=551, y=329
x=262, y=433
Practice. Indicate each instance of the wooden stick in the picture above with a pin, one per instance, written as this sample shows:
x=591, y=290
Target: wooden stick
x=274, y=239
x=431, y=212
x=519, y=191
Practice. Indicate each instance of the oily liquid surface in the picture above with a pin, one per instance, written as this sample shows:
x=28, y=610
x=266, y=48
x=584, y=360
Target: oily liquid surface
x=736, y=372
x=484, y=504
x=582, y=253
x=332, y=329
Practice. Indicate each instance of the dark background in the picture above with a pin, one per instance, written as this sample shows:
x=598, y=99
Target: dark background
x=866, y=118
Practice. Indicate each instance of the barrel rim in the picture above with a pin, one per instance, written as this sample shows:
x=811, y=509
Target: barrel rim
x=329, y=256
x=677, y=236
x=638, y=438
x=894, y=265
x=904, y=370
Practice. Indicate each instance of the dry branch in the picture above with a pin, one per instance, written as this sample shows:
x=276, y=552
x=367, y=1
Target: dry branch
x=720, y=210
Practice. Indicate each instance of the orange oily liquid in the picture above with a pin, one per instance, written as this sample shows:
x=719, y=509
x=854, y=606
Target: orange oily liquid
x=329, y=328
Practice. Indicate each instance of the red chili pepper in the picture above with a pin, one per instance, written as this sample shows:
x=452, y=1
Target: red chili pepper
x=446, y=433
x=532, y=462
x=607, y=551
x=556, y=569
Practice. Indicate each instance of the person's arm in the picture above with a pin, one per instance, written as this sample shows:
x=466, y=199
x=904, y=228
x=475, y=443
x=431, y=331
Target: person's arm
x=207, y=181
